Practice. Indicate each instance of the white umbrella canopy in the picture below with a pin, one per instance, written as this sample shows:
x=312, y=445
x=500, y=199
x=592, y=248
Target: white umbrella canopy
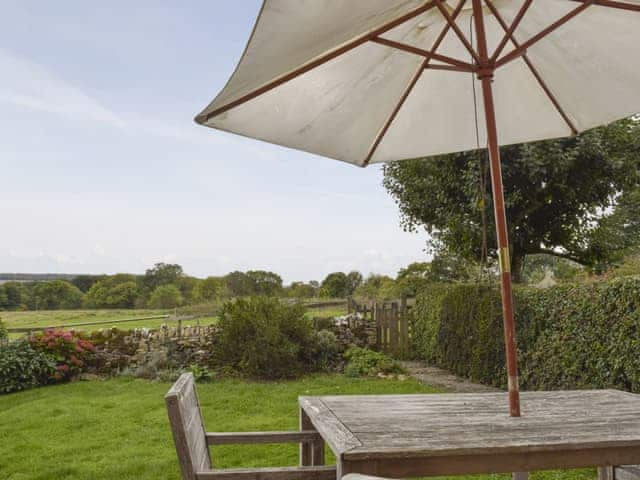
x=583, y=74
x=371, y=81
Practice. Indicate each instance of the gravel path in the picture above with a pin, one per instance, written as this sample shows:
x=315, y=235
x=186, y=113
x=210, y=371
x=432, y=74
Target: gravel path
x=439, y=378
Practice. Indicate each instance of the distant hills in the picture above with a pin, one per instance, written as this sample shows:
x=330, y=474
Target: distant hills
x=36, y=277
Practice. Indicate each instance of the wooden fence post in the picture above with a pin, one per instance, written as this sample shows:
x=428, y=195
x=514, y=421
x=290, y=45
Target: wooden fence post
x=393, y=329
x=404, y=326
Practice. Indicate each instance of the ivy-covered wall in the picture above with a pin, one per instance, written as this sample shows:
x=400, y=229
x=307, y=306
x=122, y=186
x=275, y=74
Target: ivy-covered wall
x=570, y=336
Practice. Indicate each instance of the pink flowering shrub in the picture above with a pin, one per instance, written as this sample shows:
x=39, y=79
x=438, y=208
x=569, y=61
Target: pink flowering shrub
x=70, y=350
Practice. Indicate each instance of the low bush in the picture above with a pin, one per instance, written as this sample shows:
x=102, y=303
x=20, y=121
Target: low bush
x=262, y=337
x=324, y=354
x=3, y=331
x=366, y=362
x=68, y=348
x=200, y=374
x=23, y=367
x=569, y=336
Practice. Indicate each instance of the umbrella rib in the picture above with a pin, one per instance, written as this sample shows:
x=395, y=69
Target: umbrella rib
x=423, y=53
x=412, y=83
x=533, y=69
x=509, y=33
x=456, y=29
x=614, y=4
x=318, y=61
x=521, y=50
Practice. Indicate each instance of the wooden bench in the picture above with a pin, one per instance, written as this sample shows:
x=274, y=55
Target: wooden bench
x=192, y=443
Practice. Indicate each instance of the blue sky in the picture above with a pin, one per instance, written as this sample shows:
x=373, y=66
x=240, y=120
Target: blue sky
x=104, y=170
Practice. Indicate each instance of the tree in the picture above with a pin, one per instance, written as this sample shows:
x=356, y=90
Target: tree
x=55, y=295
x=239, y=284
x=301, y=290
x=85, y=282
x=188, y=287
x=377, y=287
x=166, y=296
x=411, y=279
x=335, y=285
x=265, y=283
x=162, y=274
x=355, y=280
x=616, y=234
x=211, y=288
x=558, y=193
x=14, y=296
x=117, y=291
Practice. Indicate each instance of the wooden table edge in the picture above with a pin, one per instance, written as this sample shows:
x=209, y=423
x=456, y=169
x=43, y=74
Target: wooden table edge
x=329, y=426
x=363, y=453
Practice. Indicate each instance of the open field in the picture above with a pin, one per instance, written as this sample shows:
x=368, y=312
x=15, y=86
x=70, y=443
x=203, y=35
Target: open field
x=52, y=318
x=327, y=312
x=118, y=428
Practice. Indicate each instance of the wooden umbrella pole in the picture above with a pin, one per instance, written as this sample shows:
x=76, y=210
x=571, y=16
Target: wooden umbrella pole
x=485, y=74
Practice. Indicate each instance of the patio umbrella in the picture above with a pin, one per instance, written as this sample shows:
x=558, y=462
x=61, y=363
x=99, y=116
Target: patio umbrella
x=370, y=81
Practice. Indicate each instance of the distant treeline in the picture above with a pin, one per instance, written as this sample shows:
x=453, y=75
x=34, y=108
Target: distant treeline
x=162, y=286
x=35, y=277
x=167, y=286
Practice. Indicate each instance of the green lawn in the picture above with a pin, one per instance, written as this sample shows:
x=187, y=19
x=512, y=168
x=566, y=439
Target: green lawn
x=327, y=312
x=51, y=318
x=118, y=429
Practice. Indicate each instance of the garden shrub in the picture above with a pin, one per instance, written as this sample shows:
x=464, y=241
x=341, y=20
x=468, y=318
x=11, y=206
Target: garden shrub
x=264, y=338
x=200, y=373
x=23, y=367
x=3, y=331
x=366, y=362
x=569, y=336
x=68, y=348
x=324, y=350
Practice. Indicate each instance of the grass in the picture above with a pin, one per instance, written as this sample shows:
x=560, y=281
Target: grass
x=326, y=312
x=51, y=318
x=119, y=429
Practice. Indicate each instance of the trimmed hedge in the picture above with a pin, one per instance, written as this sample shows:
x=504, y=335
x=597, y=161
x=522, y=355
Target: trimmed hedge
x=570, y=336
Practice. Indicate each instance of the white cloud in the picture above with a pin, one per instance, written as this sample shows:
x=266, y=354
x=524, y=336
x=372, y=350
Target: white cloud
x=26, y=84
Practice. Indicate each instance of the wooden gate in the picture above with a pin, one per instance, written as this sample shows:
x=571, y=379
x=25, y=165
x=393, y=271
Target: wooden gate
x=392, y=323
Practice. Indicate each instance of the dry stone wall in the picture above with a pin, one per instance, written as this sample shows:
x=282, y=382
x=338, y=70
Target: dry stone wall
x=179, y=347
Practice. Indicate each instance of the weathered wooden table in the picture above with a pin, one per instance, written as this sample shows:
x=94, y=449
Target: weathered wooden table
x=434, y=434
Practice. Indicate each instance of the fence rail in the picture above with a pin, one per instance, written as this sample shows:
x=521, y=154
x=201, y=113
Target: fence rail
x=169, y=318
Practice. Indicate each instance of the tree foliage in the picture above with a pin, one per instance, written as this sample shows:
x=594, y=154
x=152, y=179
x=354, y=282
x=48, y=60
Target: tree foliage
x=13, y=296
x=561, y=197
x=377, y=287
x=209, y=289
x=162, y=274
x=117, y=291
x=355, y=280
x=166, y=296
x=265, y=283
x=335, y=285
x=56, y=295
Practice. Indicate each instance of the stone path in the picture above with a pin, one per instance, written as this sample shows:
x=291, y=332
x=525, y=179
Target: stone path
x=439, y=378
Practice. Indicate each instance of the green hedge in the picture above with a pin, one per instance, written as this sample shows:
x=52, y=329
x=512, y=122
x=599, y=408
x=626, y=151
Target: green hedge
x=425, y=322
x=571, y=336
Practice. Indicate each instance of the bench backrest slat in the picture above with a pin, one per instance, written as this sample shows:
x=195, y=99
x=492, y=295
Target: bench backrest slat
x=187, y=427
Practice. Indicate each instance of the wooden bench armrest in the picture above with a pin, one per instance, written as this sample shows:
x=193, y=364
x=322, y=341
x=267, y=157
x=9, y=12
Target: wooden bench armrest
x=272, y=473
x=237, y=438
